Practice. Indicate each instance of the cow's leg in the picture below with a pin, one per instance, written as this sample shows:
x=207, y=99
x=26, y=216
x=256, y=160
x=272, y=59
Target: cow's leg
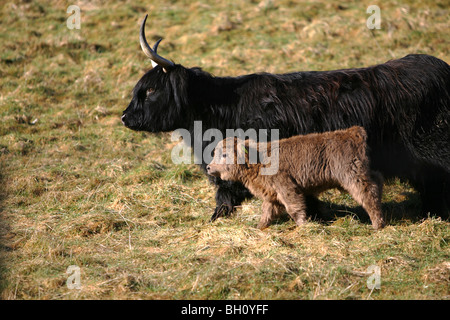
x=431, y=176
x=433, y=184
x=314, y=206
x=446, y=192
x=228, y=195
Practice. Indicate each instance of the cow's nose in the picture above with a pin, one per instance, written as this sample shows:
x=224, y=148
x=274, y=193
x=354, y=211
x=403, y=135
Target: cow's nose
x=123, y=118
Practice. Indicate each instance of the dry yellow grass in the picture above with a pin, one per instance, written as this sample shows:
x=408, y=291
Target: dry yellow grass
x=77, y=188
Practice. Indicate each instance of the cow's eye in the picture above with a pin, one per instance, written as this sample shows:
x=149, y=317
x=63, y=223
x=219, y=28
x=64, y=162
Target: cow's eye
x=150, y=91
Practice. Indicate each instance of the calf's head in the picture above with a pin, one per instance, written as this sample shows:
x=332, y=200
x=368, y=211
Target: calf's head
x=230, y=158
x=159, y=96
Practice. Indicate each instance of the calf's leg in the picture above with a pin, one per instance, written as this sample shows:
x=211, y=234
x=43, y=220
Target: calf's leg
x=294, y=201
x=368, y=194
x=270, y=211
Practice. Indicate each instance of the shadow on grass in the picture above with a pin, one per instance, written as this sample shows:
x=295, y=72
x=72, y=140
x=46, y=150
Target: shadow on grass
x=407, y=210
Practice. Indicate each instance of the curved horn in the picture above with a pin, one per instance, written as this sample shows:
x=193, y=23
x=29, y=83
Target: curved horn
x=155, y=47
x=151, y=53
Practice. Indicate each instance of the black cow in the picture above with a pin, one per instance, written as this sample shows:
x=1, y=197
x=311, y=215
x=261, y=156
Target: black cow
x=403, y=104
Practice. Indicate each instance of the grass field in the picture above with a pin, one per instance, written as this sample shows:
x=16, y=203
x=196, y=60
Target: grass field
x=78, y=188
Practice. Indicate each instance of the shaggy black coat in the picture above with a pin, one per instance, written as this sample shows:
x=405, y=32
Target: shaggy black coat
x=403, y=104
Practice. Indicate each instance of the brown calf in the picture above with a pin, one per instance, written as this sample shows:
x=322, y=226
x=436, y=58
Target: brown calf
x=307, y=165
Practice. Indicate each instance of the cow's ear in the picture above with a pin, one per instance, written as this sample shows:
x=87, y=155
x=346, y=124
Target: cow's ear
x=154, y=65
x=178, y=82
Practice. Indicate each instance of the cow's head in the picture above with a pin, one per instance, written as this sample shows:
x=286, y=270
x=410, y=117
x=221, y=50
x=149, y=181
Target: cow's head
x=159, y=96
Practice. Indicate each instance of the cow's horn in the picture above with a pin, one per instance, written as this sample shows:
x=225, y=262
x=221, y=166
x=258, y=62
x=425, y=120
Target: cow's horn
x=151, y=53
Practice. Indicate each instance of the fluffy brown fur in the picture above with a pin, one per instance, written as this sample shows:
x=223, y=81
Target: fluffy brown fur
x=308, y=165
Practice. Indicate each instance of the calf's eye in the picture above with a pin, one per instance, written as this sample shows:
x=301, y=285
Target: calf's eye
x=224, y=155
x=150, y=91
